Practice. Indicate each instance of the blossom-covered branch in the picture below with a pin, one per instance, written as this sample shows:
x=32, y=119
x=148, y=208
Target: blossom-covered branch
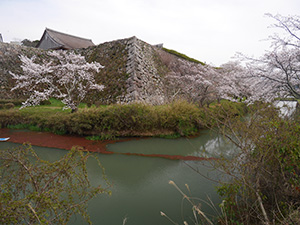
x=276, y=75
x=66, y=76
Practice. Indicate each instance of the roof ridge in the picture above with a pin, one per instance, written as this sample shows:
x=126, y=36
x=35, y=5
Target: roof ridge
x=51, y=30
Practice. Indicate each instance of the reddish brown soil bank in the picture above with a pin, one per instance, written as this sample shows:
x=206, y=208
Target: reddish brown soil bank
x=45, y=139
x=51, y=140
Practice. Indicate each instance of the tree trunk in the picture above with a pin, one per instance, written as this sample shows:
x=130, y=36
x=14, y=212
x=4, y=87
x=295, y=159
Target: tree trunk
x=74, y=110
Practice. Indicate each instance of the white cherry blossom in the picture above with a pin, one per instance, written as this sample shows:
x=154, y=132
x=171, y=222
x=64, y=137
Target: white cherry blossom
x=65, y=75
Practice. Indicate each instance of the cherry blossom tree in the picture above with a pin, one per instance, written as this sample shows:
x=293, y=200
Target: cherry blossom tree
x=188, y=80
x=233, y=83
x=290, y=26
x=202, y=83
x=277, y=73
x=206, y=84
x=193, y=88
x=64, y=75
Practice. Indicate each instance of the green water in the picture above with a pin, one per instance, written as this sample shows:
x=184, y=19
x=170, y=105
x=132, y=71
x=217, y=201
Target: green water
x=207, y=144
x=140, y=184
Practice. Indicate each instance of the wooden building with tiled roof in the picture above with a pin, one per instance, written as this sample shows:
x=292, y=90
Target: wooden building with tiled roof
x=52, y=39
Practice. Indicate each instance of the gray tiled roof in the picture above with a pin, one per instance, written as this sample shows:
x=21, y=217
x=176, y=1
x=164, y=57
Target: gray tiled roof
x=52, y=39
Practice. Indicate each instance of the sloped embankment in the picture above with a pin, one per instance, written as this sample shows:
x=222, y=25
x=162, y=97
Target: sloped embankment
x=134, y=71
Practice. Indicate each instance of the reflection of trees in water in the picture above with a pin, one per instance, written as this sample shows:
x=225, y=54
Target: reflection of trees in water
x=216, y=147
x=219, y=146
x=287, y=108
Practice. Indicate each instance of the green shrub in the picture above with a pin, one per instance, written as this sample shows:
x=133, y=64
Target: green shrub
x=179, y=117
x=45, y=102
x=9, y=105
x=25, y=127
x=36, y=191
x=101, y=137
x=98, y=103
x=264, y=176
x=170, y=136
x=16, y=102
x=18, y=126
x=182, y=117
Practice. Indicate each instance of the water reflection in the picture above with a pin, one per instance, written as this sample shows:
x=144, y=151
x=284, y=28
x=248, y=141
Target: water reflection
x=208, y=144
x=287, y=108
x=217, y=147
x=141, y=190
x=140, y=184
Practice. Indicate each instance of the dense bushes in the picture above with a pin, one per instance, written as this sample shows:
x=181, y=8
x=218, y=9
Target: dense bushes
x=264, y=176
x=117, y=120
x=13, y=101
x=36, y=191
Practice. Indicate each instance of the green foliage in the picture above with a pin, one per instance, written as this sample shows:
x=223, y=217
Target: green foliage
x=170, y=136
x=186, y=117
x=55, y=102
x=9, y=105
x=179, y=117
x=29, y=43
x=18, y=126
x=17, y=102
x=113, y=56
x=34, y=191
x=45, y=102
x=264, y=176
x=25, y=127
x=101, y=137
x=222, y=112
x=183, y=56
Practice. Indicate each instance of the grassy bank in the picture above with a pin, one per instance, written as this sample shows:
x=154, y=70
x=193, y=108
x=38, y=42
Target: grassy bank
x=177, y=119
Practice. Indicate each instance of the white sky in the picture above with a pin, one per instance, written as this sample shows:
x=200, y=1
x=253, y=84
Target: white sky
x=211, y=31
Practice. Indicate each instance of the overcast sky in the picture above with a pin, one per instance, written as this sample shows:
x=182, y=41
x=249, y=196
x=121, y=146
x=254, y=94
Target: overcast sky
x=208, y=30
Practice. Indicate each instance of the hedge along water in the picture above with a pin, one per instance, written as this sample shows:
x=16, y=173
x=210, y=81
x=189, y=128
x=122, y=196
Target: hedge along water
x=116, y=120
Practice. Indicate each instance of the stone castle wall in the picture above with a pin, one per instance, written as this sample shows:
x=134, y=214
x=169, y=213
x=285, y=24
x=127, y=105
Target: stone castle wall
x=134, y=71
x=144, y=83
